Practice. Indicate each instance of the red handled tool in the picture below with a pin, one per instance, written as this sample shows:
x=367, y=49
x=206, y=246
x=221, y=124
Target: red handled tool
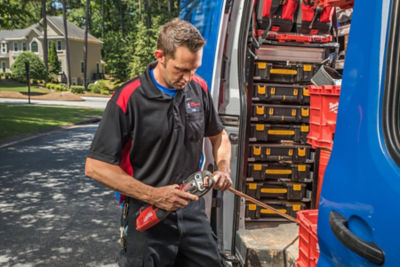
x=199, y=183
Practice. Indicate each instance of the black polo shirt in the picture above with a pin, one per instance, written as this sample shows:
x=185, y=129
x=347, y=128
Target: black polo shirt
x=152, y=136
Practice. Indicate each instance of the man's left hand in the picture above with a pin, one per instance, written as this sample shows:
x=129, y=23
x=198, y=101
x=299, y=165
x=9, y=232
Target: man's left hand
x=222, y=180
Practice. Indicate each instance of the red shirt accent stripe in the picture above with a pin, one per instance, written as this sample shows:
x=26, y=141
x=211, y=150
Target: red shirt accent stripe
x=125, y=163
x=126, y=93
x=200, y=81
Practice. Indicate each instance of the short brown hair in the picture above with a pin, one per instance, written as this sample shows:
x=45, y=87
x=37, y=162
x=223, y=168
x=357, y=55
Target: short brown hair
x=177, y=33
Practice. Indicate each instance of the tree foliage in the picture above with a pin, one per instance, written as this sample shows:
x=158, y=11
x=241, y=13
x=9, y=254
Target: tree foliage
x=128, y=28
x=18, y=14
x=37, y=69
x=54, y=62
x=143, y=48
x=116, y=55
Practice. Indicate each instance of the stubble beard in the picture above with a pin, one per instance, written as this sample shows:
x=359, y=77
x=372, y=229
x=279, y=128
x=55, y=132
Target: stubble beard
x=169, y=83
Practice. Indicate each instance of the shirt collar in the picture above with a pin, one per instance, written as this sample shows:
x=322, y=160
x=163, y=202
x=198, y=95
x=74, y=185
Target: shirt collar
x=148, y=87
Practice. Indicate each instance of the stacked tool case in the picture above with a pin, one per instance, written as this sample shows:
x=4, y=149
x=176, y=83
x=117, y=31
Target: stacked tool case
x=280, y=163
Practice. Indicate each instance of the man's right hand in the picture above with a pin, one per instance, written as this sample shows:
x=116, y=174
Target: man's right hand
x=171, y=198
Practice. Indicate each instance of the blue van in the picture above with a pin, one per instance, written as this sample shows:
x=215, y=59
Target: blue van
x=357, y=223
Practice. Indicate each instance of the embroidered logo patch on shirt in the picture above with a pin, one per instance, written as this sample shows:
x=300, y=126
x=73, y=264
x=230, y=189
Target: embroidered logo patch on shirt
x=192, y=106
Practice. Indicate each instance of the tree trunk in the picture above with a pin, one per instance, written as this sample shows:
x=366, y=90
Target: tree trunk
x=170, y=3
x=45, y=46
x=140, y=10
x=85, y=47
x=102, y=19
x=64, y=4
x=122, y=17
x=148, y=11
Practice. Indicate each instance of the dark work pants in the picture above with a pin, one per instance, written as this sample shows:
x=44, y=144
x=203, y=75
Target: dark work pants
x=183, y=239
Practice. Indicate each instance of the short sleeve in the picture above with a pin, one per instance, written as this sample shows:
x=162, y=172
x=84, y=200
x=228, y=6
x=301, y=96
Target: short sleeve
x=213, y=123
x=112, y=134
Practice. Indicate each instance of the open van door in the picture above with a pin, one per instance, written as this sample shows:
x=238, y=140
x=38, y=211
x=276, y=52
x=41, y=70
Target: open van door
x=358, y=212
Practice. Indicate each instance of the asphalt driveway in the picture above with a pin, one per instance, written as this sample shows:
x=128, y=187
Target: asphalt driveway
x=50, y=213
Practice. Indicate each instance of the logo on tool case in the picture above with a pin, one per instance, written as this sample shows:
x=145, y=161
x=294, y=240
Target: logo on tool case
x=333, y=107
x=192, y=106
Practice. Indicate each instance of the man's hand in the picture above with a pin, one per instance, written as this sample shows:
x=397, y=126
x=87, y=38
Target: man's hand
x=171, y=198
x=222, y=180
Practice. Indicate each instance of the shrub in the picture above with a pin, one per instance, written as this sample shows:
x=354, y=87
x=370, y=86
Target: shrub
x=101, y=85
x=53, y=77
x=77, y=89
x=105, y=92
x=63, y=86
x=91, y=86
x=50, y=85
x=37, y=69
x=95, y=89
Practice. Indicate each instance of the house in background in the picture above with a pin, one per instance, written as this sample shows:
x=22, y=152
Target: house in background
x=13, y=42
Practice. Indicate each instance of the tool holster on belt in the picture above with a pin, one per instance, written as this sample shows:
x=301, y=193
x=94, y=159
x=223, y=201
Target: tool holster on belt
x=124, y=225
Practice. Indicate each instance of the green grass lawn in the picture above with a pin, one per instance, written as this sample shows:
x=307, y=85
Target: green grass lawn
x=10, y=85
x=19, y=119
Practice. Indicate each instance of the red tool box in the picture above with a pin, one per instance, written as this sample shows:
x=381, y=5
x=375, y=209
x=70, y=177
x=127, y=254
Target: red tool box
x=308, y=238
x=324, y=103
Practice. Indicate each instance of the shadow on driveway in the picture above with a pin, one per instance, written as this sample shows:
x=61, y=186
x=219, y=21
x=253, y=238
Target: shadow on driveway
x=50, y=213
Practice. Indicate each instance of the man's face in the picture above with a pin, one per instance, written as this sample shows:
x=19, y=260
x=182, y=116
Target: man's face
x=177, y=72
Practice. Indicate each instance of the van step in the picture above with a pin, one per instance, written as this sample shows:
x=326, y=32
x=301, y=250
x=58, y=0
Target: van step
x=276, y=245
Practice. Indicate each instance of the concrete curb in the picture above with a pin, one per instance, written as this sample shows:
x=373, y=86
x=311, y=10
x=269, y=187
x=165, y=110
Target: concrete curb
x=9, y=141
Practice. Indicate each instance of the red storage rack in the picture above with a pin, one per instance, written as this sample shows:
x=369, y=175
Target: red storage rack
x=324, y=156
x=324, y=103
x=308, y=238
x=299, y=38
x=343, y=4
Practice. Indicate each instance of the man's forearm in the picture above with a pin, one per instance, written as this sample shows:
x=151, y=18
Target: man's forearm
x=222, y=151
x=115, y=178
x=167, y=197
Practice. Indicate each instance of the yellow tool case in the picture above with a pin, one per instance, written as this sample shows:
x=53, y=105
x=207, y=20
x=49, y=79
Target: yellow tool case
x=278, y=152
x=280, y=113
x=273, y=171
x=276, y=133
x=284, y=71
x=254, y=211
x=281, y=93
x=276, y=190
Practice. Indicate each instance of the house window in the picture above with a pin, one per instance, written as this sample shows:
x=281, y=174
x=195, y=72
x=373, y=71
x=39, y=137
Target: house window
x=15, y=46
x=59, y=45
x=24, y=46
x=97, y=68
x=34, y=47
x=82, y=67
x=3, y=66
x=3, y=47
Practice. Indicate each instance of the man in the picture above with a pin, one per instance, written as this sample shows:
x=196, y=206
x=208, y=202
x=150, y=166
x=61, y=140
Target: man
x=150, y=140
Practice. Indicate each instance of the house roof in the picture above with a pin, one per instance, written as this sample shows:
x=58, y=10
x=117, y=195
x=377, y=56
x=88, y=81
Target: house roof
x=74, y=32
x=17, y=34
